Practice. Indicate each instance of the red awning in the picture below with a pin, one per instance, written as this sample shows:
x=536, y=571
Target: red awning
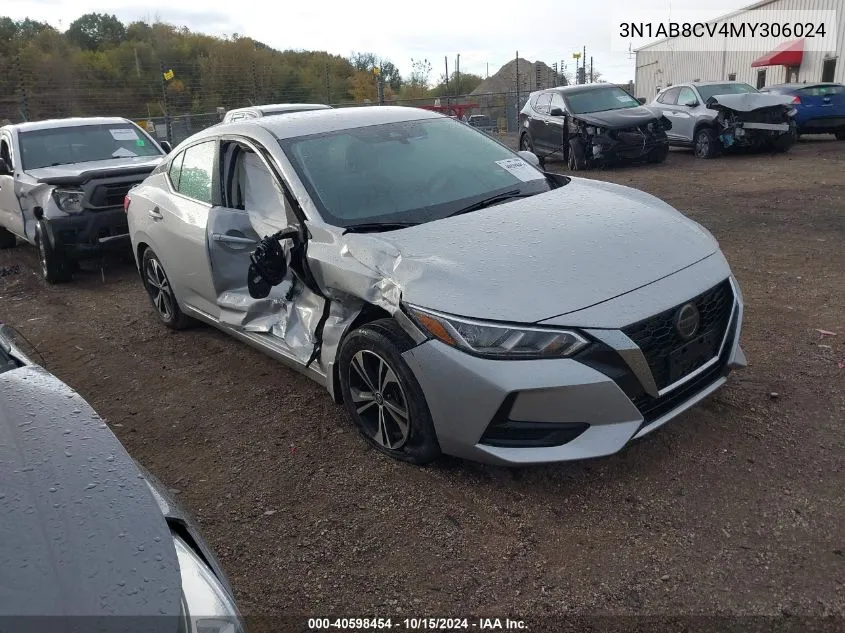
x=787, y=54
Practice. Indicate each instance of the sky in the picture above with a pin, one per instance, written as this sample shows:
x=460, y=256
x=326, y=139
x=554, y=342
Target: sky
x=483, y=34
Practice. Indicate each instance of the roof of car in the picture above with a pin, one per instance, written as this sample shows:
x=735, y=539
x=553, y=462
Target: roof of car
x=283, y=107
x=69, y=122
x=793, y=86
x=576, y=88
x=310, y=122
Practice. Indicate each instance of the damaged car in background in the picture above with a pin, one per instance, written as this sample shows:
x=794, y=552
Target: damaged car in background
x=592, y=125
x=452, y=296
x=714, y=116
x=62, y=185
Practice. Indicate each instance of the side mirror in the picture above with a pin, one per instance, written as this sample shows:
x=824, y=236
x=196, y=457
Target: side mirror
x=5, y=170
x=641, y=100
x=529, y=157
x=167, y=147
x=556, y=112
x=691, y=103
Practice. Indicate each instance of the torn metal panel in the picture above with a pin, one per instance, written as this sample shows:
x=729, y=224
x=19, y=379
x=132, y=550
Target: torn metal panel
x=747, y=101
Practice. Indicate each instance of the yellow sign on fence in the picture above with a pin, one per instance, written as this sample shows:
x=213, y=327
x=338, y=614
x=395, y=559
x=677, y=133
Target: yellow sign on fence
x=168, y=75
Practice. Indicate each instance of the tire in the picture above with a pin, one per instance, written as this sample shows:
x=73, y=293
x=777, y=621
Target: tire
x=55, y=268
x=705, y=144
x=160, y=292
x=576, y=159
x=7, y=239
x=840, y=135
x=372, y=354
x=659, y=154
x=527, y=145
x=784, y=142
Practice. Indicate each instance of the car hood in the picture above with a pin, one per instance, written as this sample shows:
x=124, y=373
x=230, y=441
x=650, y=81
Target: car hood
x=538, y=257
x=81, y=172
x=622, y=118
x=81, y=533
x=748, y=101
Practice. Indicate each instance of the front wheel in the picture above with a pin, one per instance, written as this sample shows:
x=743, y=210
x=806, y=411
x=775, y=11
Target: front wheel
x=382, y=396
x=659, y=154
x=577, y=159
x=7, y=239
x=784, y=142
x=161, y=292
x=840, y=134
x=55, y=267
x=705, y=144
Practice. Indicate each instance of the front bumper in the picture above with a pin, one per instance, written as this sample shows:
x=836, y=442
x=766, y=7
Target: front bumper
x=625, y=146
x=90, y=233
x=580, y=410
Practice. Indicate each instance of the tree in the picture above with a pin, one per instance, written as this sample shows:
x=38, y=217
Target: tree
x=462, y=84
x=96, y=31
x=367, y=61
x=416, y=87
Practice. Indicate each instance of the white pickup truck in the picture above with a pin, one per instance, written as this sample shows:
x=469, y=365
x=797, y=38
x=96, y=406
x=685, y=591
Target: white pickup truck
x=62, y=186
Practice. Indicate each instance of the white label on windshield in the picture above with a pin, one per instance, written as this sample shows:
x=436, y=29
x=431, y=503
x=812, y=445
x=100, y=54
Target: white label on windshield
x=519, y=168
x=122, y=152
x=124, y=134
x=624, y=98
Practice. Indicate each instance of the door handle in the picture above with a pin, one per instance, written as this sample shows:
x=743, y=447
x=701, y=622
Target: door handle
x=233, y=239
x=155, y=214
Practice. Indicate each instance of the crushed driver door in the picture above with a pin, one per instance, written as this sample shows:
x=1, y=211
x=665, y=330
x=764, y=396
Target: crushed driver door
x=254, y=207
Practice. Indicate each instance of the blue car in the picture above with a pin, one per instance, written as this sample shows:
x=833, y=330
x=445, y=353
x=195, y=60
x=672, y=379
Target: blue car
x=821, y=107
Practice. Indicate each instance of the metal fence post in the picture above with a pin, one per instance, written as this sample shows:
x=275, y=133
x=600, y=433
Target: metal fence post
x=24, y=103
x=168, y=132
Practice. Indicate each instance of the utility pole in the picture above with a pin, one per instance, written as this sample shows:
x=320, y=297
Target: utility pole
x=22, y=88
x=446, y=60
x=458, y=78
x=328, y=86
x=137, y=62
x=488, y=71
x=254, y=83
x=517, y=80
x=591, y=69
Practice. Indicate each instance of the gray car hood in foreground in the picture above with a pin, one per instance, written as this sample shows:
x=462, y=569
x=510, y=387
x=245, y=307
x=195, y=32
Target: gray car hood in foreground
x=80, y=532
x=748, y=101
x=538, y=257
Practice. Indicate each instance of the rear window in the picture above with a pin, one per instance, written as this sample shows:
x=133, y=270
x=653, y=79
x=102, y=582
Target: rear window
x=822, y=91
x=84, y=143
x=600, y=100
x=724, y=89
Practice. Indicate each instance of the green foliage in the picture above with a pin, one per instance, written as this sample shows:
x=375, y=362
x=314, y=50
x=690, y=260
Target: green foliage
x=461, y=84
x=96, y=31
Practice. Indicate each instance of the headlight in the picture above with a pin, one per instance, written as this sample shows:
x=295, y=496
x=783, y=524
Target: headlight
x=493, y=340
x=68, y=200
x=207, y=606
x=595, y=131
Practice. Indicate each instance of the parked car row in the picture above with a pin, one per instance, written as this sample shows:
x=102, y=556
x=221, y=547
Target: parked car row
x=597, y=125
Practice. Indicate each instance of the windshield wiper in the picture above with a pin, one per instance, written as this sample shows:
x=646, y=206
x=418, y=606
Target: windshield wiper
x=372, y=227
x=486, y=202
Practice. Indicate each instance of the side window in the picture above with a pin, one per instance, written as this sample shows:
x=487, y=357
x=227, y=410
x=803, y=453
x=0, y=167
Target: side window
x=543, y=102
x=251, y=186
x=6, y=152
x=196, y=173
x=686, y=95
x=557, y=101
x=670, y=97
x=175, y=170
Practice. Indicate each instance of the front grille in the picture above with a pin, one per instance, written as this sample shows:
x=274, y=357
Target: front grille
x=653, y=408
x=658, y=338
x=110, y=195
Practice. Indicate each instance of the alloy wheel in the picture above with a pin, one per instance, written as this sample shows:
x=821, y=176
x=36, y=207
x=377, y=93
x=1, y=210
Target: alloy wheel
x=42, y=256
x=702, y=145
x=159, y=289
x=379, y=400
x=524, y=144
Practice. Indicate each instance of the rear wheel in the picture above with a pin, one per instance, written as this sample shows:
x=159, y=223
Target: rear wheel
x=7, y=239
x=705, y=144
x=382, y=396
x=527, y=145
x=55, y=267
x=161, y=292
x=577, y=159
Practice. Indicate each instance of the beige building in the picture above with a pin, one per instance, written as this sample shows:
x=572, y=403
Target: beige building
x=791, y=59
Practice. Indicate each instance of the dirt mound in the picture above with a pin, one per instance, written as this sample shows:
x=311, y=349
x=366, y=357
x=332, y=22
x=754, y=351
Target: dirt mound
x=505, y=79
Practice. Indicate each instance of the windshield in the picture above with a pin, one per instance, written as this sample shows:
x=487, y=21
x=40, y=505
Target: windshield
x=610, y=98
x=83, y=143
x=723, y=89
x=413, y=171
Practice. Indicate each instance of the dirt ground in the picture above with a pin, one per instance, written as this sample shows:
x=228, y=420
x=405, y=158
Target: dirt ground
x=737, y=507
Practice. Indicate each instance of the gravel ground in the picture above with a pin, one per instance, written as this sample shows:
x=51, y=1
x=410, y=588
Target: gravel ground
x=735, y=508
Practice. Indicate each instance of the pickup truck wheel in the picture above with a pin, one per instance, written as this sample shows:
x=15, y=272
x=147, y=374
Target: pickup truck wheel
x=705, y=145
x=55, y=268
x=577, y=159
x=840, y=135
x=161, y=292
x=7, y=239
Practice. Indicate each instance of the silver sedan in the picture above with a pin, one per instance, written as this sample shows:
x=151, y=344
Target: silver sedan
x=451, y=295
